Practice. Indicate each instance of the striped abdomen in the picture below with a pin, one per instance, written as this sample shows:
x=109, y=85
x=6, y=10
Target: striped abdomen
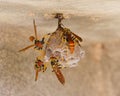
x=71, y=46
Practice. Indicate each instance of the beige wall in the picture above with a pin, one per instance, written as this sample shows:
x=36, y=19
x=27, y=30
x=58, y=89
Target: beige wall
x=96, y=21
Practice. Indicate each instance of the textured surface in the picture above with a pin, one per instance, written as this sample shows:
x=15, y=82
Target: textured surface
x=96, y=21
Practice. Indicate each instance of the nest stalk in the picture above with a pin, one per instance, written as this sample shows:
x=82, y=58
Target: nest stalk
x=60, y=17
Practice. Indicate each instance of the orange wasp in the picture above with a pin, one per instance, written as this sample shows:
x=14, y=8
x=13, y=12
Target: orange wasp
x=37, y=43
x=71, y=38
x=39, y=64
x=56, y=69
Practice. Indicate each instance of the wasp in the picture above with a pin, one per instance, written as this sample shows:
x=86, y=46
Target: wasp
x=56, y=69
x=68, y=35
x=71, y=38
x=37, y=43
x=39, y=64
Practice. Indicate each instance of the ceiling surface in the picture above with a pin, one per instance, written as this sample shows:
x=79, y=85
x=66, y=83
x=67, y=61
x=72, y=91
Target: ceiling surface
x=96, y=21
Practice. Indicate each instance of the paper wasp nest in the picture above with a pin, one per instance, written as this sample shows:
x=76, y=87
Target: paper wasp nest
x=58, y=47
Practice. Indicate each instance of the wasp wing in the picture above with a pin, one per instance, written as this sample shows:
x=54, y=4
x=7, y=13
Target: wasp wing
x=35, y=29
x=78, y=37
x=36, y=76
x=59, y=74
x=26, y=48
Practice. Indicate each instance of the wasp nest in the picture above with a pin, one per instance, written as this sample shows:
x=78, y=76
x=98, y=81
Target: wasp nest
x=58, y=47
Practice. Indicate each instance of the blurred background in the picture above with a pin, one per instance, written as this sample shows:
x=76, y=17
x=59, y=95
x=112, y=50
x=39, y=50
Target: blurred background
x=96, y=21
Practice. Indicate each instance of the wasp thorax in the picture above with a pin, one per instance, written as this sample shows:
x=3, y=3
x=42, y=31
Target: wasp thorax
x=31, y=38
